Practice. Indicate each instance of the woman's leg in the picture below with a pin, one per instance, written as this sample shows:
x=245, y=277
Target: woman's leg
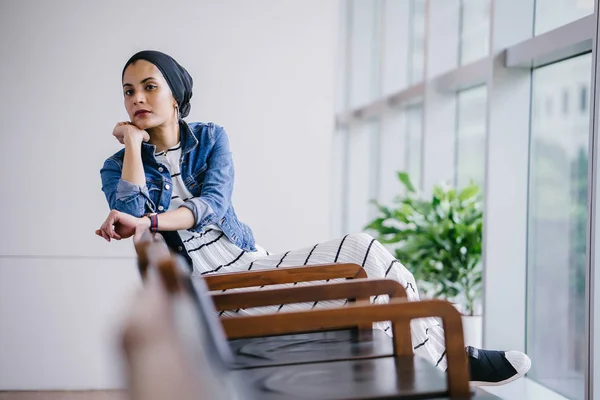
x=359, y=248
x=378, y=262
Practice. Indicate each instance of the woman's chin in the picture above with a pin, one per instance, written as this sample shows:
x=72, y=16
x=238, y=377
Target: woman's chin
x=144, y=124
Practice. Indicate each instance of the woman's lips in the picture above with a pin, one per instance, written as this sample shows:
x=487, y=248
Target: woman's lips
x=142, y=113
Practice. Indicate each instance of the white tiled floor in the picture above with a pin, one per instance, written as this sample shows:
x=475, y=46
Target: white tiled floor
x=524, y=389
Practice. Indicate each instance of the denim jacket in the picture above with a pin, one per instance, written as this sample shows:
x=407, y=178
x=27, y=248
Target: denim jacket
x=206, y=170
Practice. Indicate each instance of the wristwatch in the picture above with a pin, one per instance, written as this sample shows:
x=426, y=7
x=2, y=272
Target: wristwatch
x=153, y=221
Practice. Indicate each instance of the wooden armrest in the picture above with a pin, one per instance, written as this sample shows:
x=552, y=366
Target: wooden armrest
x=159, y=258
x=283, y=275
x=143, y=243
x=397, y=311
x=273, y=276
x=361, y=289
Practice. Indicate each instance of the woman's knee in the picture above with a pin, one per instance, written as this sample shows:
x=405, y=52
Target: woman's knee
x=361, y=239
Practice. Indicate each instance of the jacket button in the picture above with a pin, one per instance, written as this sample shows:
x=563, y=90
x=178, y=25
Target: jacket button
x=179, y=248
x=160, y=208
x=167, y=186
x=160, y=169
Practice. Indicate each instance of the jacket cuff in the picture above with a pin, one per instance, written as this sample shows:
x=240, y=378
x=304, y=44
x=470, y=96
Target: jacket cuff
x=127, y=190
x=203, y=213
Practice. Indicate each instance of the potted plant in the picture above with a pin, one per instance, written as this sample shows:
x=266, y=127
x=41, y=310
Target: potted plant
x=439, y=241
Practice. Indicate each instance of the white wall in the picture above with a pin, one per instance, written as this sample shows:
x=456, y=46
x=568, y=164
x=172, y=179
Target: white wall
x=263, y=70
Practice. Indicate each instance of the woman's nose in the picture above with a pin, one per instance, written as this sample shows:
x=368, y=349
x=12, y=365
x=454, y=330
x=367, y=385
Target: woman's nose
x=139, y=98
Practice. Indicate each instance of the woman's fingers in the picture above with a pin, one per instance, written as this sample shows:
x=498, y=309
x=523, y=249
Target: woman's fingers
x=118, y=134
x=106, y=230
x=103, y=234
x=107, y=226
x=113, y=219
x=100, y=233
x=110, y=227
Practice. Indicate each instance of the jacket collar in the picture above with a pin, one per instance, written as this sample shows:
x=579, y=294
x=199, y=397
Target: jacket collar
x=188, y=139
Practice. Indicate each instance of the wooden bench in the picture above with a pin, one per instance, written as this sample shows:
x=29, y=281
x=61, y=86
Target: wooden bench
x=348, y=373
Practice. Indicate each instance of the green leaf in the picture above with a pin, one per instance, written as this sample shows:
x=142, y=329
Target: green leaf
x=405, y=179
x=375, y=225
x=468, y=192
x=438, y=239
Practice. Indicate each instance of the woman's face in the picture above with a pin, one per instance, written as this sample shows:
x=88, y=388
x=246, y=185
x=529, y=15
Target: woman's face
x=148, y=98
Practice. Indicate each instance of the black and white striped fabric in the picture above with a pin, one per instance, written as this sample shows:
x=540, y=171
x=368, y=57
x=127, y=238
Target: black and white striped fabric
x=216, y=254
x=212, y=252
x=170, y=159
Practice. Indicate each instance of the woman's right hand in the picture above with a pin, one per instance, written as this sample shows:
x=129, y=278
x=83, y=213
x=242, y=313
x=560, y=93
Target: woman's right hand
x=119, y=225
x=126, y=132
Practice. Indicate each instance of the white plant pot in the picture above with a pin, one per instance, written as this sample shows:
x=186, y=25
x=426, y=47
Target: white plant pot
x=473, y=330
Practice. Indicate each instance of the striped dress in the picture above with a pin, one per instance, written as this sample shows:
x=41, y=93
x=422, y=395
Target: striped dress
x=212, y=252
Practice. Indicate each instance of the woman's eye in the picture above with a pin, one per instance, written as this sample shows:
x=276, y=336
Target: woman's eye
x=151, y=87
x=128, y=92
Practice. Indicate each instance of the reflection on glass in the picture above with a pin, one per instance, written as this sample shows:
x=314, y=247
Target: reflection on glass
x=414, y=143
x=470, y=136
x=557, y=227
x=551, y=14
x=474, y=30
x=416, y=54
x=362, y=51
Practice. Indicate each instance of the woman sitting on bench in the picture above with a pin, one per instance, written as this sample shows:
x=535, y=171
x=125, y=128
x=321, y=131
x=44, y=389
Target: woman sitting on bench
x=177, y=178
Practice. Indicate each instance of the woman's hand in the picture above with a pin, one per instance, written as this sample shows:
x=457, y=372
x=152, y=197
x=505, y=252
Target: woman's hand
x=126, y=132
x=119, y=226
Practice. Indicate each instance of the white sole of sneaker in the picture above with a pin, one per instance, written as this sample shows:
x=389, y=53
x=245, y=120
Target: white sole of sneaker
x=526, y=368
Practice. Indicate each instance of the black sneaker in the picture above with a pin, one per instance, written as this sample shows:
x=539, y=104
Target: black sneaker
x=493, y=368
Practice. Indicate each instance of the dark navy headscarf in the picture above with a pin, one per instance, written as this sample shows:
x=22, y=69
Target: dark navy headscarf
x=177, y=77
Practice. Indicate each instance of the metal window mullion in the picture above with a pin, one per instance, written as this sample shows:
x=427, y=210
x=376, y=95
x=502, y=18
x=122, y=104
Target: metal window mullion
x=558, y=44
x=456, y=137
x=426, y=60
x=346, y=140
x=592, y=237
x=379, y=57
x=505, y=217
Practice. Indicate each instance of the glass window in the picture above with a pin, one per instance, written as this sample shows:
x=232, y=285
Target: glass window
x=556, y=260
x=416, y=66
x=341, y=65
x=360, y=178
x=583, y=99
x=392, y=151
x=338, y=182
x=363, y=52
x=470, y=136
x=395, y=45
x=474, y=30
x=414, y=143
x=549, y=106
x=551, y=14
x=565, y=101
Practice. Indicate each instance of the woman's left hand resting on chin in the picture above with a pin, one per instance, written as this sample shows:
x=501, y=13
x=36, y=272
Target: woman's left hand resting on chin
x=119, y=225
